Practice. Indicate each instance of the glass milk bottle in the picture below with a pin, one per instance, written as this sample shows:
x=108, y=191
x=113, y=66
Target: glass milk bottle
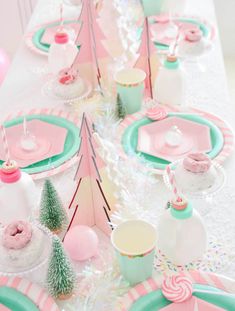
x=62, y=53
x=17, y=194
x=169, y=84
x=182, y=236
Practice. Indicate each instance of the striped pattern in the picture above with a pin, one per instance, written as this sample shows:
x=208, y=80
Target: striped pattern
x=38, y=295
x=5, y=144
x=197, y=277
x=58, y=113
x=225, y=129
x=171, y=177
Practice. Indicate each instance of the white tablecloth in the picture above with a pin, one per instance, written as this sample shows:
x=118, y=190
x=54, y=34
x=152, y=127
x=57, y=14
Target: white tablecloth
x=22, y=89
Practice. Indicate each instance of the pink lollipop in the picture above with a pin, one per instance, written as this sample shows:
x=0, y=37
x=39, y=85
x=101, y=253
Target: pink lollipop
x=177, y=288
x=156, y=113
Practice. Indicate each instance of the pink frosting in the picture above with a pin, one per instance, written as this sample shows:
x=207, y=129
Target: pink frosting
x=68, y=76
x=17, y=235
x=197, y=163
x=193, y=35
x=156, y=113
x=177, y=288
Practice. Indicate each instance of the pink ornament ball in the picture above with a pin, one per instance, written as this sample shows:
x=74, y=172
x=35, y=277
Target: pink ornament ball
x=4, y=64
x=81, y=243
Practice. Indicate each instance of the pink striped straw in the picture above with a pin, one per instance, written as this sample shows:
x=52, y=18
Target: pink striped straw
x=172, y=181
x=5, y=144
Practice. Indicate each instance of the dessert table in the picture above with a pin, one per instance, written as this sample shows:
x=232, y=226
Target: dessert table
x=22, y=90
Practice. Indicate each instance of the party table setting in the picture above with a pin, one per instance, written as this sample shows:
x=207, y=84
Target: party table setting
x=117, y=186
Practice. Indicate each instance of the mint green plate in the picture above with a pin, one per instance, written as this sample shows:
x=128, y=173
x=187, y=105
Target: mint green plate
x=204, y=28
x=130, y=139
x=39, y=33
x=16, y=301
x=71, y=145
x=154, y=301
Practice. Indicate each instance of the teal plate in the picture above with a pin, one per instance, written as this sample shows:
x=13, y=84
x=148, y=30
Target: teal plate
x=16, y=301
x=130, y=139
x=71, y=145
x=39, y=33
x=154, y=301
x=203, y=27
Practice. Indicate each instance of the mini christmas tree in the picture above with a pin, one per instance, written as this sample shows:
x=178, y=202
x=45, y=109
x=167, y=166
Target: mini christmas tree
x=121, y=111
x=52, y=213
x=61, y=277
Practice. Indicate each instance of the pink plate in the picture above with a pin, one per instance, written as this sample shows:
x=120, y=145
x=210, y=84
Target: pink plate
x=50, y=140
x=38, y=295
x=195, y=138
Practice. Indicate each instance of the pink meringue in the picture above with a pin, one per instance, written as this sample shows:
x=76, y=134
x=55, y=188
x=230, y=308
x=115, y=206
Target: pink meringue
x=197, y=163
x=177, y=288
x=156, y=113
x=17, y=235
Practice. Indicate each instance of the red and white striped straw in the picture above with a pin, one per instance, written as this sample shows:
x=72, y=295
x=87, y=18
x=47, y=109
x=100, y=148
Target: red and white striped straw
x=171, y=177
x=5, y=144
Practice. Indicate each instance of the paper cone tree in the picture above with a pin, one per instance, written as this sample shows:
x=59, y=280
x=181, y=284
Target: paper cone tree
x=89, y=204
x=147, y=52
x=90, y=39
x=107, y=20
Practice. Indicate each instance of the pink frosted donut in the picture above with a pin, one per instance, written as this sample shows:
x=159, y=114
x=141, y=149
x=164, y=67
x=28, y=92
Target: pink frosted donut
x=156, y=113
x=177, y=288
x=68, y=76
x=17, y=235
x=193, y=35
x=197, y=163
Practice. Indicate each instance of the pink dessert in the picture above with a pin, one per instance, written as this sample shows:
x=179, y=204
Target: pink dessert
x=193, y=35
x=177, y=288
x=195, y=173
x=156, y=113
x=21, y=245
x=197, y=163
x=68, y=75
x=17, y=235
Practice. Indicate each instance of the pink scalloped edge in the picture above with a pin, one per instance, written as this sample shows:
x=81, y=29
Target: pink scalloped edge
x=37, y=294
x=28, y=38
x=225, y=129
x=58, y=113
x=152, y=284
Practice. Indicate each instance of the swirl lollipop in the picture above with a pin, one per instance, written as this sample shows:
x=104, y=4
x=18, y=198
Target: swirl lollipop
x=156, y=113
x=177, y=288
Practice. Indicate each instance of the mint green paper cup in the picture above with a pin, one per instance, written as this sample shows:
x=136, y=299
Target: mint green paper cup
x=135, y=242
x=130, y=87
x=152, y=7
